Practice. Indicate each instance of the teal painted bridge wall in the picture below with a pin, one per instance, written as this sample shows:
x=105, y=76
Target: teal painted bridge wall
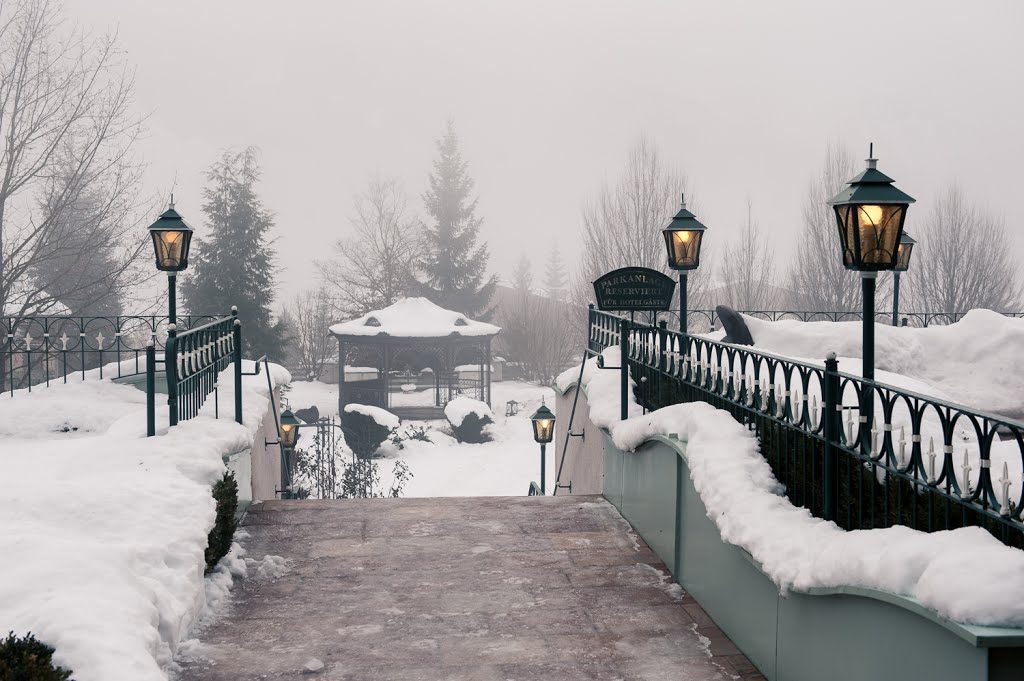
x=846, y=634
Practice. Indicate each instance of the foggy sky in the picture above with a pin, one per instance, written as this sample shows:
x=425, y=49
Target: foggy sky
x=549, y=96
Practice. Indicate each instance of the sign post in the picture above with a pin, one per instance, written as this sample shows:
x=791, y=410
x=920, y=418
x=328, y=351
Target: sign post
x=632, y=289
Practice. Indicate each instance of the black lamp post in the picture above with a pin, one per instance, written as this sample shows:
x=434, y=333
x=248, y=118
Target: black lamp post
x=543, y=432
x=902, y=263
x=870, y=214
x=171, y=240
x=289, y=429
x=683, y=237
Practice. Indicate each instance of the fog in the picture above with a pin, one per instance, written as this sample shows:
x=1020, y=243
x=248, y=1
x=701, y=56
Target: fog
x=548, y=97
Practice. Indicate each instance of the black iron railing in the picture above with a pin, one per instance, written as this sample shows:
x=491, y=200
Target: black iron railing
x=861, y=453
x=702, y=321
x=193, y=360
x=37, y=351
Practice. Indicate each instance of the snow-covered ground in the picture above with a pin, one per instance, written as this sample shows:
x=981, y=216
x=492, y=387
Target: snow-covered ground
x=964, y=574
x=103, y=529
x=444, y=467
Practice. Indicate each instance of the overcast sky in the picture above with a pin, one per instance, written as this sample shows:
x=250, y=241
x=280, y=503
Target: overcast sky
x=549, y=96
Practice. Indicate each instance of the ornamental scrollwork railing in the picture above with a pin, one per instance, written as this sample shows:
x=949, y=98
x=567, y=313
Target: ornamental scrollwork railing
x=702, y=320
x=862, y=453
x=37, y=351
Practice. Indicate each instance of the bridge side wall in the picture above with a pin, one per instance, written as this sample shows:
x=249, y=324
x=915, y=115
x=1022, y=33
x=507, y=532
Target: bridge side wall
x=851, y=635
x=584, y=461
x=258, y=470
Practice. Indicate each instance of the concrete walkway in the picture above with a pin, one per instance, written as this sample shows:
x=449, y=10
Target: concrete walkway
x=458, y=589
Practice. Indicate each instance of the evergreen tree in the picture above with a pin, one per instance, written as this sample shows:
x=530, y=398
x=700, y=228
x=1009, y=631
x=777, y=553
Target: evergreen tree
x=554, y=275
x=453, y=267
x=234, y=265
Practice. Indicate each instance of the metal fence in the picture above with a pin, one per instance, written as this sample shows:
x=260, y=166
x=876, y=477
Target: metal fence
x=861, y=453
x=193, y=360
x=702, y=321
x=36, y=351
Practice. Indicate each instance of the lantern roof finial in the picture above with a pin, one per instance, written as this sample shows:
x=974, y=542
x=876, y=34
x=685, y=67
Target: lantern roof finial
x=872, y=161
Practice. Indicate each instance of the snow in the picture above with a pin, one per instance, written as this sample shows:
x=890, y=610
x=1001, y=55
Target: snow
x=964, y=574
x=444, y=467
x=976, y=362
x=459, y=408
x=105, y=529
x=382, y=417
x=414, y=317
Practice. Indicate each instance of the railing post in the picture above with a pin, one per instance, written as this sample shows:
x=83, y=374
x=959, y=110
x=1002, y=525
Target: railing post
x=150, y=389
x=236, y=330
x=171, y=372
x=831, y=427
x=624, y=368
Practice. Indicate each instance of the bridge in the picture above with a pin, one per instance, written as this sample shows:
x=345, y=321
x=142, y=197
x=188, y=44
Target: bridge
x=475, y=589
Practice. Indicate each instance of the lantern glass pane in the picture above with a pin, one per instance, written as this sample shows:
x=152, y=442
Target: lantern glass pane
x=684, y=249
x=903, y=257
x=288, y=433
x=846, y=233
x=170, y=246
x=543, y=430
x=878, y=228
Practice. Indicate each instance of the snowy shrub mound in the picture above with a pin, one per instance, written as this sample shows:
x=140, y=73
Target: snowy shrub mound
x=26, y=659
x=468, y=418
x=367, y=428
x=964, y=574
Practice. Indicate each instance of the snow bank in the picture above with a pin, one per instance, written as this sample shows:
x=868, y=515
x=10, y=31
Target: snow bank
x=977, y=361
x=414, y=317
x=382, y=417
x=105, y=529
x=965, y=574
x=458, y=409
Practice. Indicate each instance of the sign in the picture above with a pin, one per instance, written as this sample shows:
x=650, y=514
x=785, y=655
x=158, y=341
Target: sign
x=634, y=288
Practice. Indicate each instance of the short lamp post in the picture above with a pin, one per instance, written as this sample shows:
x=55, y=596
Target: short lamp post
x=902, y=264
x=171, y=240
x=543, y=432
x=287, y=438
x=870, y=214
x=683, y=237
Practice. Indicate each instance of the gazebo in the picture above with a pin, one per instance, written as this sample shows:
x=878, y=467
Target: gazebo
x=424, y=355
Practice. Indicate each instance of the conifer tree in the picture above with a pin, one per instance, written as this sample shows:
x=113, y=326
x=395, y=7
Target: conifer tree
x=453, y=267
x=234, y=264
x=554, y=275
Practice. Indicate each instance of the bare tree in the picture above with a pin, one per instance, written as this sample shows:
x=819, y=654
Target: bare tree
x=963, y=259
x=748, y=269
x=622, y=225
x=70, y=218
x=312, y=319
x=373, y=267
x=817, y=277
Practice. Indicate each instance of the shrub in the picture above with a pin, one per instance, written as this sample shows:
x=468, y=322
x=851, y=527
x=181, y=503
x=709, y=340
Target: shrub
x=218, y=543
x=366, y=428
x=468, y=418
x=26, y=659
x=412, y=432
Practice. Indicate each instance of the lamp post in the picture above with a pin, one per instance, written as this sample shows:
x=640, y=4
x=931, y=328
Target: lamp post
x=870, y=214
x=171, y=240
x=683, y=237
x=902, y=263
x=543, y=432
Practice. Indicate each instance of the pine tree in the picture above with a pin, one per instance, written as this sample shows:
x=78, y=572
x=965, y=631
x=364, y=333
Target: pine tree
x=453, y=267
x=554, y=275
x=235, y=264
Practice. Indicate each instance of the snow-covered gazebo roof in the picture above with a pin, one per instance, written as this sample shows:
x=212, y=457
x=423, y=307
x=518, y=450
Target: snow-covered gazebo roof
x=414, y=318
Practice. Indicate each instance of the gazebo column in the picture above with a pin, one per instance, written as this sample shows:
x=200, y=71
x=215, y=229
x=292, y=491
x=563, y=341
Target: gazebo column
x=486, y=388
x=449, y=371
x=341, y=377
x=387, y=376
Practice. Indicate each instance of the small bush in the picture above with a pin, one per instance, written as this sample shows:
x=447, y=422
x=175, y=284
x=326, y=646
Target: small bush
x=363, y=434
x=472, y=429
x=412, y=432
x=218, y=543
x=26, y=659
